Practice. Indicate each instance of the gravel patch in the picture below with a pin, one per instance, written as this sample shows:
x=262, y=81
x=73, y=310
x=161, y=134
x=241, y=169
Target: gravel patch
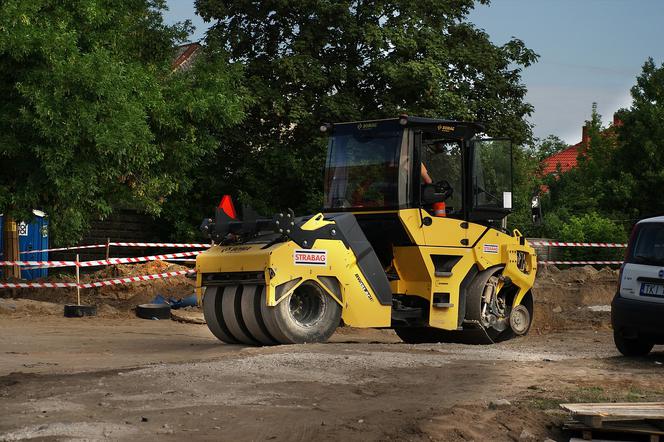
x=75, y=430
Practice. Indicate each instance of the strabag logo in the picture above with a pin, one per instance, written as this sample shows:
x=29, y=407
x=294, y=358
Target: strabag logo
x=364, y=287
x=310, y=257
x=490, y=248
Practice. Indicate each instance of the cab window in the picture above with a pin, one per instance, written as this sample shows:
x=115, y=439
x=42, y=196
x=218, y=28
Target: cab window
x=442, y=160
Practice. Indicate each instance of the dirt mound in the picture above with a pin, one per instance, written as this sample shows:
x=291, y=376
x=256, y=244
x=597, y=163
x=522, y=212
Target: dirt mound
x=475, y=422
x=28, y=307
x=131, y=294
x=573, y=298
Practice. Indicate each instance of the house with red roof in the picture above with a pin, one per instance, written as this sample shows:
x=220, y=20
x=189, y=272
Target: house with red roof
x=568, y=159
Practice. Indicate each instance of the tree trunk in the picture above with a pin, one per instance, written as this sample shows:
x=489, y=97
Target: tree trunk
x=10, y=246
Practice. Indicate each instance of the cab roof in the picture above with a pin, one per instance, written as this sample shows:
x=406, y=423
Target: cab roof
x=453, y=128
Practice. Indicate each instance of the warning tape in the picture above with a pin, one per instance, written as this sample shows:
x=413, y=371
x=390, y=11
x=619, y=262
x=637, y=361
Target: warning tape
x=112, y=261
x=39, y=263
x=580, y=262
x=87, y=285
x=101, y=262
x=577, y=244
x=158, y=244
x=62, y=249
x=119, y=281
x=36, y=285
x=124, y=244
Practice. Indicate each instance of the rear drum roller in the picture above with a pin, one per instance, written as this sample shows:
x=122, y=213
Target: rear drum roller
x=270, y=321
x=213, y=314
x=307, y=315
x=253, y=297
x=489, y=309
x=231, y=307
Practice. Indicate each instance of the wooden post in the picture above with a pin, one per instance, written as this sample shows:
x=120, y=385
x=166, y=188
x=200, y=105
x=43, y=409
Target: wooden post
x=78, y=283
x=108, y=247
x=10, y=242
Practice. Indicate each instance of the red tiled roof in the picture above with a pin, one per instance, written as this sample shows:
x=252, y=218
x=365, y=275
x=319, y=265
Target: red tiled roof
x=566, y=158
x=185, y=56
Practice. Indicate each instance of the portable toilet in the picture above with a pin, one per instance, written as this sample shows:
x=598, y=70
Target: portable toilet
x=31, y=236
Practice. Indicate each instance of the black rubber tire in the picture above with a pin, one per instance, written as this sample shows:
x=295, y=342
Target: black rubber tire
x=518, y=328
x=474, y=304
x=475, y=291
x=232, y=311
x=153, y=311
x=268, y=314
x=631, y=347
x=79, y=311
x=251, y=314
x=214, y=316
x=313, y=320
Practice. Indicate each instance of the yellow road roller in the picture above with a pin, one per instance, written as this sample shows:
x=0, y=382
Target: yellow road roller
x=412, y=236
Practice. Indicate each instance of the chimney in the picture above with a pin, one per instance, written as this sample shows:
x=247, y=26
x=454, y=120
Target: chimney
x=617, y=122
x=585, y=138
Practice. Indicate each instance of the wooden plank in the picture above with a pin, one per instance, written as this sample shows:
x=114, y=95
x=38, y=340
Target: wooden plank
x=618, y=411
x=639, y=427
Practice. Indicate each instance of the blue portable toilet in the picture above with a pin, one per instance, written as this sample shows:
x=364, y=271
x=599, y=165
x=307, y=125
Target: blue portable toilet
x=31, y=236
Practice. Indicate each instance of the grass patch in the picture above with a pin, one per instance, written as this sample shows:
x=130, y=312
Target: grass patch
x=589, y=394
x=544, y=403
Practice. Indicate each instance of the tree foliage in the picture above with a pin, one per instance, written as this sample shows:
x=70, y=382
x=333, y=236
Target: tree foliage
x=549, y=145
x=92, y=118
x=638, y=167
x=620, y=173
x=307, y=62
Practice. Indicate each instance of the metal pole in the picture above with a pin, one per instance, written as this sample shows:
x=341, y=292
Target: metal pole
x=78, y=284
x=108, y=247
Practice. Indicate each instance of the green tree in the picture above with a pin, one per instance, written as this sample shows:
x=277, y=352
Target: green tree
x=307, y=62
x=619, y=174
x=548, y=146
x=92, y=118
x=587, y=187
x=637, y=174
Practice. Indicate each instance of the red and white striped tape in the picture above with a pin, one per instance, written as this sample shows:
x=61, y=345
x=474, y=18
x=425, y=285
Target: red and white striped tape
x=101, y=262
x=62, y=249
x=580, y=262
x=119, y=281
x=158, y=244
x=87, y=285
x=36, y=285
x=124, y=244
x=112, y=261
x=577, y=244
x=39, y=263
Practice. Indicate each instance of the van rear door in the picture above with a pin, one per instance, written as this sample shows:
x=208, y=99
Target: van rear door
x=643, y=272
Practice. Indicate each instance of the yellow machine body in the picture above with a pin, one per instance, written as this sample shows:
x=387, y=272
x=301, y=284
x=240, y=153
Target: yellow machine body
x=277, y=264
x=410, y=238
x=486, y=248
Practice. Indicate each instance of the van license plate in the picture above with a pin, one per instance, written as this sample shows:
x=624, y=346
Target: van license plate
x=656, y=290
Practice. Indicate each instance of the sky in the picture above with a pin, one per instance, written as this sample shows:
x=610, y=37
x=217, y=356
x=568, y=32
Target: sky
x=590, y=51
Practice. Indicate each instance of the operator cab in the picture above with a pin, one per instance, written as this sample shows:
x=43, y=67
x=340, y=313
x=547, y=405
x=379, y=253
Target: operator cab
x=385, y=165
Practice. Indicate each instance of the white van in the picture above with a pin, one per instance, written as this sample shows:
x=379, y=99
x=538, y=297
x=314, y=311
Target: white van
x=637, y=310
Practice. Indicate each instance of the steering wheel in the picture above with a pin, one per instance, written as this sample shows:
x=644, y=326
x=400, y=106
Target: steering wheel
x=443, y=186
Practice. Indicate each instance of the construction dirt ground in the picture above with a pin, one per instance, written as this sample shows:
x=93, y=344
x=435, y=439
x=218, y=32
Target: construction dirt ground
x=121, y=378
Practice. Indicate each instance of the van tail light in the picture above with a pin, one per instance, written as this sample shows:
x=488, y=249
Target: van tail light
x=630, y=243
x=628, y=253
x=620, y=273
